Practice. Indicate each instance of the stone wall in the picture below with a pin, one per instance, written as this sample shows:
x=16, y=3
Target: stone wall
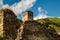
x=1, y=23
x=28, y=15
x=10, y=24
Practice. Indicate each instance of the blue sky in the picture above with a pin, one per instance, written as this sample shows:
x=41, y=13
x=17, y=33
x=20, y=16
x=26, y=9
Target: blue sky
x=51, y=6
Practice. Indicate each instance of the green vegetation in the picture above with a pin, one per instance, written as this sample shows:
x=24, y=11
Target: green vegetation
x=52, y=23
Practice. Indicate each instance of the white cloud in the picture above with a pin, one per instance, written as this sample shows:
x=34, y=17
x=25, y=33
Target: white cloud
x=58, y=17
x=19, y=7
x=1, y=3
x=22, y=5
x=6, y=6
x=41, y=14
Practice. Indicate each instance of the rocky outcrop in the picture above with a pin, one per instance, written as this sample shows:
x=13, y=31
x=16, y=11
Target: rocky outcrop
x=10, y=24
x=35, y=31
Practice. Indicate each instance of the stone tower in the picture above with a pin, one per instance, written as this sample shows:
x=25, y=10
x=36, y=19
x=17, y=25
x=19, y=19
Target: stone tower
x=8, y=24
x=27, y=16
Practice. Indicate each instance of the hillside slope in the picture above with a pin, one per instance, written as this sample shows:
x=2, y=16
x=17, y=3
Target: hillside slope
x=47, y=29
x=52, y=23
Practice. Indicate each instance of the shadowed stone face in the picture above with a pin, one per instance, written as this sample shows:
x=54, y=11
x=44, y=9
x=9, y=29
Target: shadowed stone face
x=10, y=24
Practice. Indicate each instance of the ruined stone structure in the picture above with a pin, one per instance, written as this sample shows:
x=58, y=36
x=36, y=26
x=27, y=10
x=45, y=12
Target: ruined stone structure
x=12, y=28
x=8, y=24
x=27, y=16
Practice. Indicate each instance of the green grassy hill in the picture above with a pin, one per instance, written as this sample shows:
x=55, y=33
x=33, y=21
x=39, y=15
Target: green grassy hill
x=52, y=23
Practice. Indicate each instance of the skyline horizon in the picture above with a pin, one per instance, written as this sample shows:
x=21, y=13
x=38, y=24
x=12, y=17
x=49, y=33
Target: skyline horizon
x=41, y=8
